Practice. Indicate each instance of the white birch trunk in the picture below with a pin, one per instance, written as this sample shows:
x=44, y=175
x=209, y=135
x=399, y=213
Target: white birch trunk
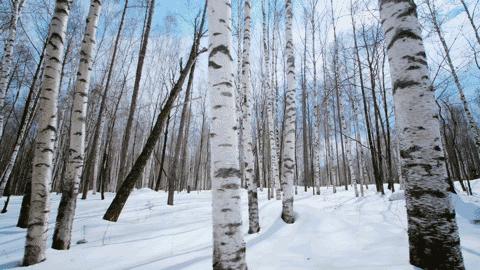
x=348, y=145
x=37, y=232
x=466, y=107
x=274, y=171
x=248, y=158
x=6, y=60
x=432, y=229
x=66, y=210
x=358, y=146
x=228, y=243
x=288, y=170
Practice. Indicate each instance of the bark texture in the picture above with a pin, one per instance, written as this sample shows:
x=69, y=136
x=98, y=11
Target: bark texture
x=432, y=229
x=248, y=158
x=6, y=60
x=66, y=210
x=228, y=243
x=37, y=232
x=288, y=170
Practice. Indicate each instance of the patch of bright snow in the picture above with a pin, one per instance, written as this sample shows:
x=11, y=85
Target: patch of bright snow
x=332, y=231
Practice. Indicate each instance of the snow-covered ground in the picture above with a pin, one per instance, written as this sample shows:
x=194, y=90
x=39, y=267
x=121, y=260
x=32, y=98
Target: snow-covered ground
x=332, y=231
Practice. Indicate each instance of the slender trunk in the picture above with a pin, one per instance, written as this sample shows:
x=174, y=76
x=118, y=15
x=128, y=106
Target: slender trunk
x=339, y=107
x=66, y=210
x=161, y=171
x=7, y=56
x=466, y=107
x=274, y=175
x=115, y=208
x=136, y=90
x=173, y=170
x=93, y=155
x=248, y=159
x=47, y=132
x=25, y=124
x=288, y=172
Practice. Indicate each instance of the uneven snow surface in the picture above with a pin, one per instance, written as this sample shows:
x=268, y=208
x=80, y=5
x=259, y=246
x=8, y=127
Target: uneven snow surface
x=332, y=231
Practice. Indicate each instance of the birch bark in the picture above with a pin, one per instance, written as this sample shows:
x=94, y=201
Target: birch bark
x=66, y=210
x=274, y=171
x=6, y=60
x=248, y=159
x=228, y=243
x=461, y=92
x=288, y=170
x=432, y=229
x=37, y=232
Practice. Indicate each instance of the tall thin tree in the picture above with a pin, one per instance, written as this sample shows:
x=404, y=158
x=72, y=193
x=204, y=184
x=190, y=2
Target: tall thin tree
x=7, y=57
x=288, y=170
x=37, y=232
x=66, y=210
x=248, y=159
x=228, y=243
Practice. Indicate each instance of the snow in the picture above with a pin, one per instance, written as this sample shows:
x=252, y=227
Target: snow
x=332, y=231
x=399, y=195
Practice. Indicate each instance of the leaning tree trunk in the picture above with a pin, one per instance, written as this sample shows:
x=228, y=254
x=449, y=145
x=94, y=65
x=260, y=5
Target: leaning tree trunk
x=432, y=229
x=25, y=123
x=248, y=159
x=93, y=155
x=6, y=60
x=136, y=90
x=228, y=243
x=288, y=171
x=115, y=208
x=66, y=210
x=47, y=130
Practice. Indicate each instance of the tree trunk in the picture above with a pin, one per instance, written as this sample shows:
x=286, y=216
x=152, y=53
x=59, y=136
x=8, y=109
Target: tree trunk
x=288, y=172
x=173, y=178
x=432, y=229
x=93, y=155
x=248, y=159
x=115, y=208
x=7, y=57
x=274, y=175
x=466, y=107
x=25, y=124
x=66, y=210
x=136, y=89
x=228, y=243
x=44, y=146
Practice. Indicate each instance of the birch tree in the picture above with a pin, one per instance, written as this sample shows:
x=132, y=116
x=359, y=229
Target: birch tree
x=66, y=210
x=37, y=232
x=115, y=208
x=461, y=92
x=93, y=155
x=136, y=90
x=228, y=243
x=248, y=159
x=274, y=175
x=288, y=170
x=432, y=229
x=6, y=60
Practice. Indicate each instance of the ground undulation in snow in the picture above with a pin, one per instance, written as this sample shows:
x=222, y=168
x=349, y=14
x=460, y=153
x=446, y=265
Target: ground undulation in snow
x=332, y=231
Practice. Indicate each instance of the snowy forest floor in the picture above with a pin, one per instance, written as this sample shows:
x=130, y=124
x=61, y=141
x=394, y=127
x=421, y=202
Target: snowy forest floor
x=332, y=231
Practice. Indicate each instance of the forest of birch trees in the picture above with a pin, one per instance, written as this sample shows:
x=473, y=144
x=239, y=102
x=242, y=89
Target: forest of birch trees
x=280, y=96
